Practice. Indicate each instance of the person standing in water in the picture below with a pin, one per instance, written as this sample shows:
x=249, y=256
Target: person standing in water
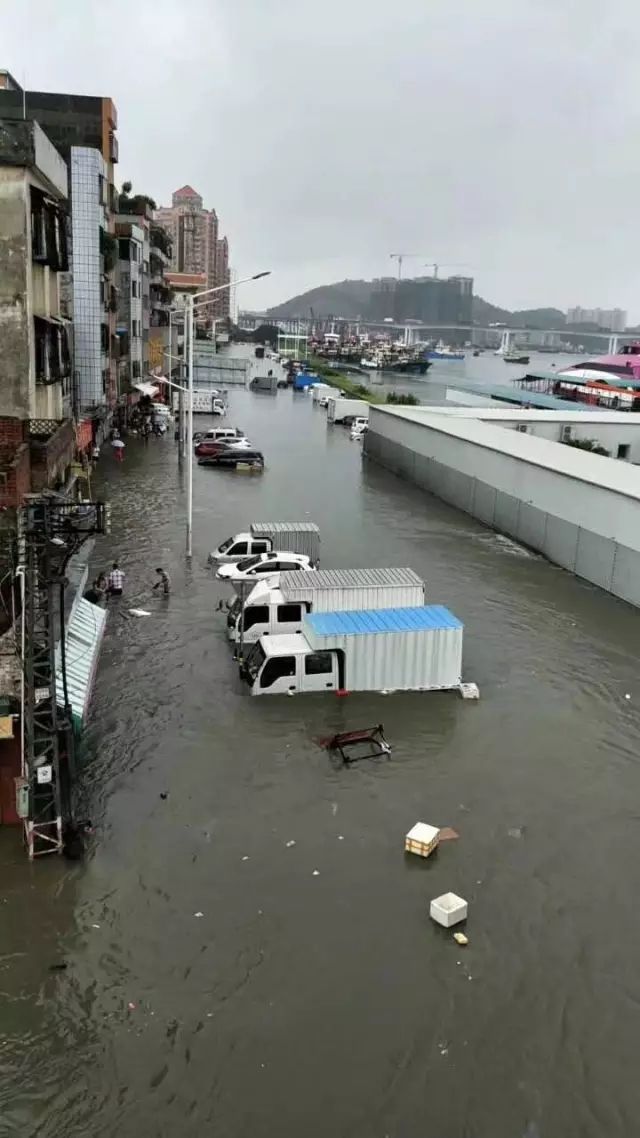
x=115, y=581
x=164, y=582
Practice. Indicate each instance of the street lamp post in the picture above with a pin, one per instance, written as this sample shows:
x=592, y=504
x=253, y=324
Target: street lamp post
x=189, y=312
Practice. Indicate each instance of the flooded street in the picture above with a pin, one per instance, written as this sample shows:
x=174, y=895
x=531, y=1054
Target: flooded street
x=214, y=985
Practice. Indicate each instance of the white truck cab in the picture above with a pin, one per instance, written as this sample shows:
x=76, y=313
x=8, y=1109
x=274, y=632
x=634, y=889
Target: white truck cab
x=265, y=537
x=238, y=547
x=266, y=613
x=286, y=664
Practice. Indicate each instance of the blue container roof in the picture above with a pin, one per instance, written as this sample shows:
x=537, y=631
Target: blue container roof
x=364, y=622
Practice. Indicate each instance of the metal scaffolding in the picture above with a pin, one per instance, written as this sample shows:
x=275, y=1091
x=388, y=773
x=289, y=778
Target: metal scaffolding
x=51, y=531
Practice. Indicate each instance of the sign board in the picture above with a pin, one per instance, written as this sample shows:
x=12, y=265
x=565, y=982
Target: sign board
x=42, y=693
x=44, y=774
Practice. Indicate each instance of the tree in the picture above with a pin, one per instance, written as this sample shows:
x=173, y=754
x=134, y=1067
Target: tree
x=138, y=203
x=588, y=444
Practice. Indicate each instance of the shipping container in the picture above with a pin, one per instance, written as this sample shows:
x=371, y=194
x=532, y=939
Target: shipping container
x=321, y=392
x=392, y=648
x=280, y=609
x=295, y=537
x=339, y=409
x=407, y=649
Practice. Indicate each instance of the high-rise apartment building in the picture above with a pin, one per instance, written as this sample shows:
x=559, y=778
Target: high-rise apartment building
x=223, y=276
x=614, y=319
x=382, y=305
x=196, y=246
x=87, y=125
x=431, y=300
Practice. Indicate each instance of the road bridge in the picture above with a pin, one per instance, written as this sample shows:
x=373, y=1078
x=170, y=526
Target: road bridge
x=414, y=331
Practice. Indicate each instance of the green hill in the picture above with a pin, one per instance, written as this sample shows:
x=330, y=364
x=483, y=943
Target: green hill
x=351, y=299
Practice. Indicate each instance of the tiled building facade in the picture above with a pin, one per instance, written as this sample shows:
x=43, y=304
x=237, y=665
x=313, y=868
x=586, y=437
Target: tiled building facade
x=92, y=375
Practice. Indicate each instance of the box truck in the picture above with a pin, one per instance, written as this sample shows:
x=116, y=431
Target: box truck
x=339, y=409
x=266, y=537
x=404, y=649
x=275, y=611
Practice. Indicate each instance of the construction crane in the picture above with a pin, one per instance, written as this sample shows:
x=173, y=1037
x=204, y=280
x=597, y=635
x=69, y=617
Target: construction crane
x=436, y=266
x=51, y=531
x=399, y=257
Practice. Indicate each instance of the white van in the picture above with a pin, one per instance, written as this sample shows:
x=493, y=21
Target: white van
x=220, y=435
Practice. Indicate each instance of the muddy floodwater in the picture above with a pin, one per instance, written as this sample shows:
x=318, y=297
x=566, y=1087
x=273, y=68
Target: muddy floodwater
x=220, y=980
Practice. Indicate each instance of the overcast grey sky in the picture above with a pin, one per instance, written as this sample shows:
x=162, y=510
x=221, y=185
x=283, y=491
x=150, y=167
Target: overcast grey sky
x=502, y=134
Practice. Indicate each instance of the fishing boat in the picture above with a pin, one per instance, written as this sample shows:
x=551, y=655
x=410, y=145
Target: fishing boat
x=407, y=367
x=444, y=352
x=515, y=358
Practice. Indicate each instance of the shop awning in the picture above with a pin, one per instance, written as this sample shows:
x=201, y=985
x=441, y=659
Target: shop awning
x=83, y=638
x=146, y=389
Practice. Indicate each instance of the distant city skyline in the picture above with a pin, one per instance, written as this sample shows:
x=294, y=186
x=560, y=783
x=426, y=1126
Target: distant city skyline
x=613, y=318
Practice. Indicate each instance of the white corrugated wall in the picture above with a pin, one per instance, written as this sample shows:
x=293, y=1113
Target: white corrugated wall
x=426, y=659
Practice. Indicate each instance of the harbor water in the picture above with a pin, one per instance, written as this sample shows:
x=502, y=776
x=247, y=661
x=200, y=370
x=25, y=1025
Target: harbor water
x=222, y=980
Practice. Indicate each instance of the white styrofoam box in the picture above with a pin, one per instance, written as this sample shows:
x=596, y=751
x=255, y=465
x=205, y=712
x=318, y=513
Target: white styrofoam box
x=422, y=839
x=448, y=910
x=469, y=691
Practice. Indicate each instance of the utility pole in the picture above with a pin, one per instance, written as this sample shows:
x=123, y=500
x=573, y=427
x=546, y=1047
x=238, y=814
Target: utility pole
x=51, y=533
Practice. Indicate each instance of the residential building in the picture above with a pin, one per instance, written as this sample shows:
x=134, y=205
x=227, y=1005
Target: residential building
x=614, y=319
x=95, y=304
x=432, y=300
x=160, y=297
x=36, y=434
x=223, y=276
x=195, y=243
x=383, y=299
x=87, y=125
x=133, y=362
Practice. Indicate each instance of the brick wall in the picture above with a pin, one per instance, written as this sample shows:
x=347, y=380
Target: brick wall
x=15, y=476
x=12, y=431
x=15, y=462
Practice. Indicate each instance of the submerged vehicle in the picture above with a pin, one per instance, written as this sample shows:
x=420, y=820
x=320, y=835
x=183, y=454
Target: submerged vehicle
x=263, y=537
x=402, y=649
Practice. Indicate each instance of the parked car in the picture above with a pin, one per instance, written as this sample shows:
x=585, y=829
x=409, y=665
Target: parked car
x=213, y=446
x=230, y=457
x=219, y=433
x=276, y=562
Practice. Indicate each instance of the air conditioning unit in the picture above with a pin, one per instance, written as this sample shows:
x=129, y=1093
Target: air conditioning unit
x=566, y=435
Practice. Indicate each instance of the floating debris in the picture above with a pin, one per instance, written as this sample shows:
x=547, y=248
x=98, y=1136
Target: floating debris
x=290, y=843
x=448, y=834
x=460, y=938
x=422, y=839
x=198, y=914
x=448, y=909
x=346, y=743
x=316, y=873
x=139, y=612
